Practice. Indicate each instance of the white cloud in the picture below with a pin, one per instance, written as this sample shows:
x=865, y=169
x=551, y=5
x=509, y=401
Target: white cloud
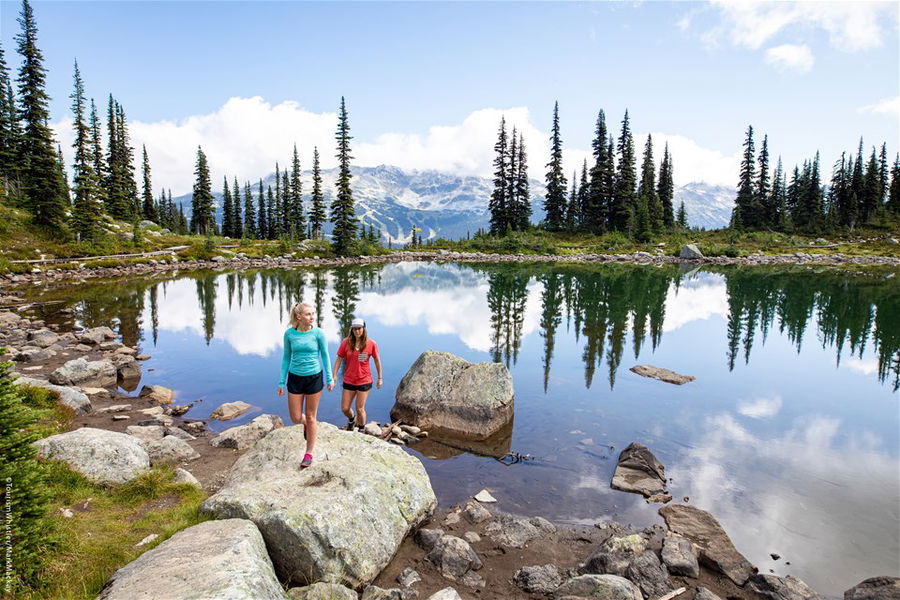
x=886, y=106
x=246, y=136
x=761, y=408
x=694, y=302
x=866, y=366
x=851, y=26
x=791, y=57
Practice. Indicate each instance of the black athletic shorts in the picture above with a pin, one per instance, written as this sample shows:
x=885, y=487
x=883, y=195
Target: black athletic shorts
x=305, y=384
x=358, y=388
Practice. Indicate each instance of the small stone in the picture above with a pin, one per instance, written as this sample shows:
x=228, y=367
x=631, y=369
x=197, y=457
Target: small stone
x=775, y=556
x=408, y=577
x=471, y=537
x=185, y=476
x=538, y=580
x=147, y=540
x=476, y=513
x=451, y=518
x=484, y=497
x=427, y=538
x=121, y=418
x=230, y=410
x=67, y=513
x=115, y=408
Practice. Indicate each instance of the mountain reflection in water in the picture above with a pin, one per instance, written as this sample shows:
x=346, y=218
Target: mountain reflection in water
x=789, y=435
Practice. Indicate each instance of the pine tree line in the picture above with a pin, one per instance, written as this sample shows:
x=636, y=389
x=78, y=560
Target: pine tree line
x=608, y=195
x=510, y=202
x=861, y=191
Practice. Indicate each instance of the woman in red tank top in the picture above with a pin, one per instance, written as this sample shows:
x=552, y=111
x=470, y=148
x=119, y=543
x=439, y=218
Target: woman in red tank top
x=356, y=349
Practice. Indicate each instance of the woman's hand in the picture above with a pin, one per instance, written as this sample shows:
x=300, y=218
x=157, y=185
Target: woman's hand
x=379, y=383
x=330, y=386
x=280, y=391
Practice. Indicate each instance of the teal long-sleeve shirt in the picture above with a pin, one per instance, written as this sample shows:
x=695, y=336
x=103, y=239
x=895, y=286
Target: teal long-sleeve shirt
x=305, y=353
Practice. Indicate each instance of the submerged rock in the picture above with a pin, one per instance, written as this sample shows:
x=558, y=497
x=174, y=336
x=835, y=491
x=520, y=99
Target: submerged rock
x=215, y=560
x=661, y=374
x=716, y=549
x=444, y=392
x=639, y=471
x=340, y=520
x=230, y=410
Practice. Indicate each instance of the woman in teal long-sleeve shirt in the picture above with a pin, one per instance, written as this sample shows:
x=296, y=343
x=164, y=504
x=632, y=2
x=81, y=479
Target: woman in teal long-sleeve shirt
x=304, y=363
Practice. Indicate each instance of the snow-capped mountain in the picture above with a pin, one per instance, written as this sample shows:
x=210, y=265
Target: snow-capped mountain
x=707, y=206
x=450, y=206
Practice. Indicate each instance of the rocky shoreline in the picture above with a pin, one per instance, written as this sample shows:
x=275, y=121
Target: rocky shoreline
x=238, y=261
x=376, y=537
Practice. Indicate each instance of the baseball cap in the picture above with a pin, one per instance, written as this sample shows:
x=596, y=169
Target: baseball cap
x=357, y=323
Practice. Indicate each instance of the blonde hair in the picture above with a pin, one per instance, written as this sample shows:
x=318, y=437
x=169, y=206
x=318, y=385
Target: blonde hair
x=295, y=312
x=358, y=344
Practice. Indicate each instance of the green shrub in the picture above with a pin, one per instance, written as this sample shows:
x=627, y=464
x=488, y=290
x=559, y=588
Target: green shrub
x=24, y=484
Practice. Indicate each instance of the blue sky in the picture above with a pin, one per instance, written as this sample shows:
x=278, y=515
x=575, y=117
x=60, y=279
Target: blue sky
x=426, y=82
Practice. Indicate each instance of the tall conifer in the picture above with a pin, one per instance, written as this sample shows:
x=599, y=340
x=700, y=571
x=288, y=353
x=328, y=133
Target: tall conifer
x=647, y=189
x=202, y=207
x=743, y=205
x=43, y=188
x=497, y=205
x=522, y=200
x=250, y=223
x=594, y=215
x=555, y=201
x=147, y=208
x=665, y=189
x=227, y=209
x=317, y=201
x=237, y=224
x=262, y=220
x=297, y=220
x=625, y=199
x=343, y=215
x=86, y=208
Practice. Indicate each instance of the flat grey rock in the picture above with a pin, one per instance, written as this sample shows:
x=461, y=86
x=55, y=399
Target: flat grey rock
x=71, y=397
x=102, y=456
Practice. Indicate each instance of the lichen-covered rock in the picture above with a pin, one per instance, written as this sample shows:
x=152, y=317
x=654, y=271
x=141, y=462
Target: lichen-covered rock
x=170, y=449
x=102, y=456
x=215, y=560
x=340, y=520
x=614, y=555
x=322, y=591
x=538, y=580
x=99, y=373
x=599, y=587
x=649, y=574
x=245, y=436
x=68, y=396
x=680, y=556
x=716, y=549
x=446, y=393
x=515, y=532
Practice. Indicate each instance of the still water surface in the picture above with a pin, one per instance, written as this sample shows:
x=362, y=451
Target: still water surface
x=789, y=435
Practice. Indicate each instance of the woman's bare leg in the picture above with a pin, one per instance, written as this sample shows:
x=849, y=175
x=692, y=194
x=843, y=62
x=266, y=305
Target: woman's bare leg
x=312, y=425
x=361, y=408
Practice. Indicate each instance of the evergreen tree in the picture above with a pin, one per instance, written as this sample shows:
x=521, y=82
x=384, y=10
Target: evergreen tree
x=584, y=192
x=342, y=210
x=572, y=205
x=271, y=209
x=555, y=201
x=522, y=196
x=126, y=168
x=147, y=208
x=779, y=198
x=742, y=215
x=871, y=188
x=624, y=199
x=665, y=189
x=227, y=210
x=512, y=170
x=237, y=224
x=857, y=182
x=285, y=203
x=883, y=170
x=593, y=217
x=297, y=219
x=86, y=209
x=893, y=201
x=97, y=155
x=61, y=177
x=276, y=222
x=45, y=196
x=647, y=190
x=262, y=226
x=202, y=208
x=25, y=494
x=763, y=203
x=317, y=202
x=682, y=216
x=839, y=194
x=250, y=222
x=499, y=196
x=9, y=134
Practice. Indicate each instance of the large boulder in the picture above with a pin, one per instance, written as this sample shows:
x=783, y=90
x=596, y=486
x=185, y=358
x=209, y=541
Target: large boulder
x=773, y=587
x=599, y=587
x=230, y=410
x=639, y=471
x=244, y=436
x=102, y=456
x=70, y=397
x=875, y=588
x=322, y=591
x=340, y=520
x=716, y=549
x=690, y=251
x=97, y=373
x=444, y=392
x=170, y=449
x=215, y=560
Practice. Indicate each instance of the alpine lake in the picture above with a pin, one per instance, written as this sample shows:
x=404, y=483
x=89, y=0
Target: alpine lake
x=790, y=434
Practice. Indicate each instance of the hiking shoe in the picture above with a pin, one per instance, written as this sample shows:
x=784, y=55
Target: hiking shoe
x=307, y=460
x=351, y=423
x=360, y=428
